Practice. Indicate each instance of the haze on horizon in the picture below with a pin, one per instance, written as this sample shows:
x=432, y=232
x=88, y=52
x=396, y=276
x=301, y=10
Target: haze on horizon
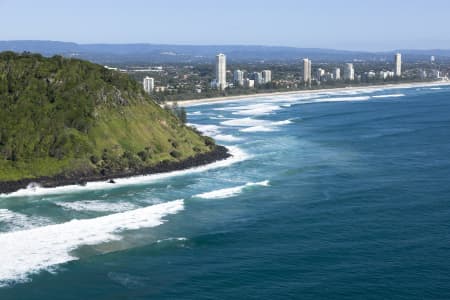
x=346, y=25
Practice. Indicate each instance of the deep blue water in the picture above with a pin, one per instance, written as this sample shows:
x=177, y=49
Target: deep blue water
x=336, y=196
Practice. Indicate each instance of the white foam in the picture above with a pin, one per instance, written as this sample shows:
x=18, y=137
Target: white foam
x=279, y=123
x=227, y=138
x=257, y=109
x=195, y=113
x=219, y=117
x=245, y=122
x=341, y=99
x=206, y=129
x=28, y=252
x=14, y=221
x=97, y=206
x=258, y=129
x=237, y=155
x=230, y=192
x=232, y=108
x=172, y=239
x=272, y=126
x=389, y=96
x=436, y=88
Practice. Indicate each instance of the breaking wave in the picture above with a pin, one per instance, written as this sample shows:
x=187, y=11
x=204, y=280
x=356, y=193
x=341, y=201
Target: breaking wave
x=14, y=221
x=245, y=122
x=230, y=192
x=389, y=96
x=97, y=206
x=31, y=251
x=227, y=138
x=206, y=129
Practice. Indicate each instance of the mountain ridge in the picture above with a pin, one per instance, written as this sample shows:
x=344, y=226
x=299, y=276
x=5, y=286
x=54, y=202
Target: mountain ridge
x=166, y=53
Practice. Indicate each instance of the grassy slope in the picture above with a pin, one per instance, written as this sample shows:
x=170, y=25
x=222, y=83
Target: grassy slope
x=65, y=116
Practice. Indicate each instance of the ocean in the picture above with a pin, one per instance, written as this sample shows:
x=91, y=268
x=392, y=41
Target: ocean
x=335, y=195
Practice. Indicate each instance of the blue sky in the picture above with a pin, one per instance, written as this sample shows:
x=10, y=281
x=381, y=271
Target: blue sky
x=339, y=24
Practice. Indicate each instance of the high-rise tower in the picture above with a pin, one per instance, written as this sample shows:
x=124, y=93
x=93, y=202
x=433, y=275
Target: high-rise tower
x=398, y=65
x=307, y=71
x=221, y=71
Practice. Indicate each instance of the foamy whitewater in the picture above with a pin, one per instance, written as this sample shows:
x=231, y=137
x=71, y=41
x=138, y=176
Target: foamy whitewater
x=98, y=206
x=230, y=192
x=30, y=251
x=336, y=194
x=13, y=221
x=237, y=155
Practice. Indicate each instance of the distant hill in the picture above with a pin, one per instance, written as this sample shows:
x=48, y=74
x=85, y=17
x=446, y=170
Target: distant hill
x=145, y=53
x=75, y=119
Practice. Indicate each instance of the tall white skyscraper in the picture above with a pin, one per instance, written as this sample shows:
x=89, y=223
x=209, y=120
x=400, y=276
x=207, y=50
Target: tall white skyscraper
x=238, y=77
x=221, y=71
x=267, y=76
x=337, y=74
x=149, y=84
x=398, y=65
x=349, y=72
x=307, y=70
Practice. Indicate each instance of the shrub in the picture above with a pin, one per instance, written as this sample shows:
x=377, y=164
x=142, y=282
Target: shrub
x=175, y=154
x=94, y=159
x=144, y=155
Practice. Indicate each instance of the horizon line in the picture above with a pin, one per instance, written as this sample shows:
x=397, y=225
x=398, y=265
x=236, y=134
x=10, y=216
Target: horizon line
x=227, y=45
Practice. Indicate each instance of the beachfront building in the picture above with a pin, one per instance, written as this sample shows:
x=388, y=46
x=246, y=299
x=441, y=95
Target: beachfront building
x=221, y=72
x=238, y=77
x=398, y=65
x=423, y=74
x=371, y=75
x=320, y=73
x=349, y=72
x=258, y=78
x=337, y=74
x=436, y=74
x=267, y=76
x=307, y=71
x=149, y=84
x=249, y=83
x=386, y=74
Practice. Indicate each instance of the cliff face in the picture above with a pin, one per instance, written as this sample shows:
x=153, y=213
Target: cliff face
x=70, y=118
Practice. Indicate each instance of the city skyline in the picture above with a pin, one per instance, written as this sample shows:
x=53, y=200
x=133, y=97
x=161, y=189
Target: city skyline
x=187, y=25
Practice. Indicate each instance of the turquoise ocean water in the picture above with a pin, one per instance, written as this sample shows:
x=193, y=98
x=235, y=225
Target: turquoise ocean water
x=339, y=195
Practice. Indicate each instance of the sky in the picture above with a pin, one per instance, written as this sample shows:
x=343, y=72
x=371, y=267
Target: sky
x=371, y=25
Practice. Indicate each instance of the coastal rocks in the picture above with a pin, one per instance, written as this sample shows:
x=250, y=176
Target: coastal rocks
x=219, y=153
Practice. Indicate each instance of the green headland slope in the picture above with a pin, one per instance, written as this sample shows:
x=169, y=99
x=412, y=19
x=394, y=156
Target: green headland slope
x=72, y=118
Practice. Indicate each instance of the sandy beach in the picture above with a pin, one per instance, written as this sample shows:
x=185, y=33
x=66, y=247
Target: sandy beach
x=193, y=102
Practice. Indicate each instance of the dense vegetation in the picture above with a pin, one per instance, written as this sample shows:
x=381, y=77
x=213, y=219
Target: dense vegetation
x=70, y=117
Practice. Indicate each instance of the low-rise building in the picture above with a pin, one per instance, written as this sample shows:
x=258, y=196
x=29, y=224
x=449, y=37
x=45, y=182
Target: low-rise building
x=249, y=83
x=258, y=78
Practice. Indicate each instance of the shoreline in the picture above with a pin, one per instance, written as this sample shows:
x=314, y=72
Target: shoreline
x=205, y=101
x=219, y=154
